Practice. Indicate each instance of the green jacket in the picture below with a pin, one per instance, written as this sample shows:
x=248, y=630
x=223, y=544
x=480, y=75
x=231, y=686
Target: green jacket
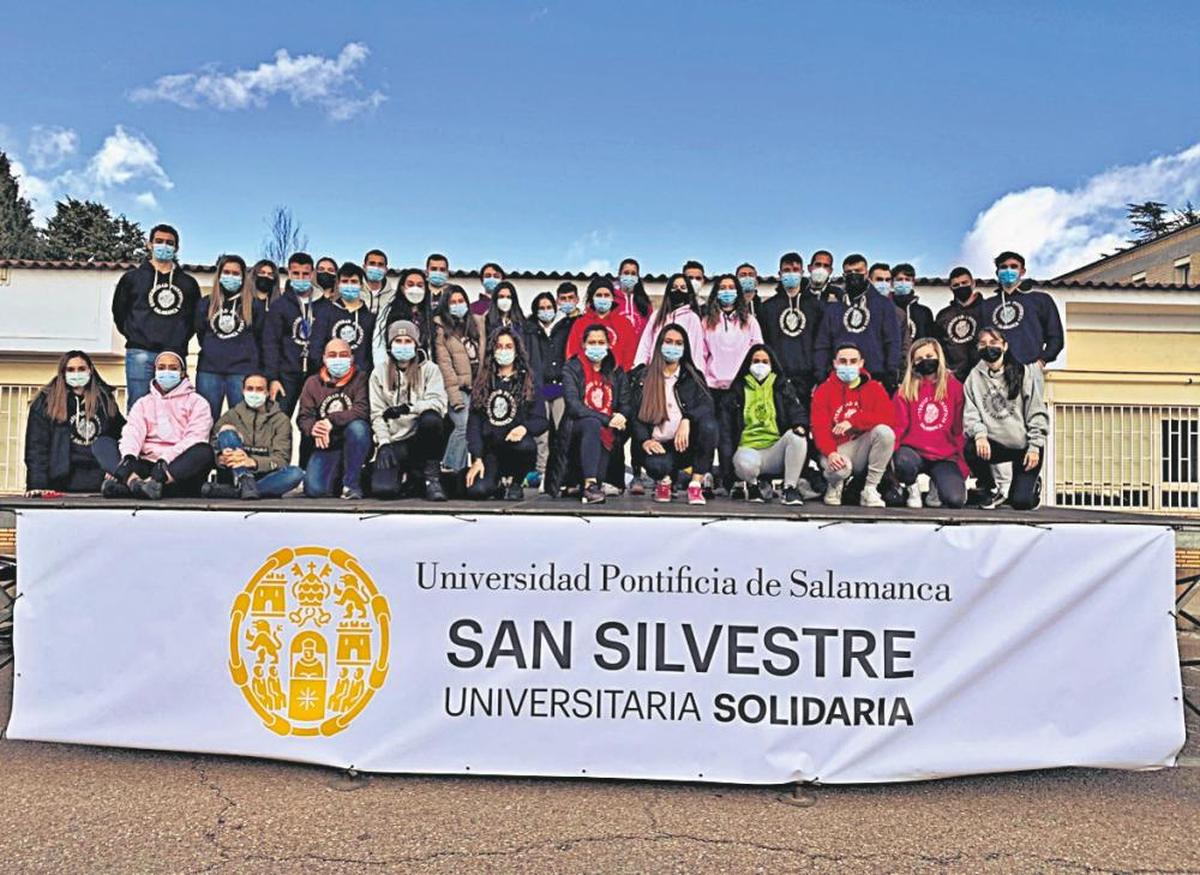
x=266, y=434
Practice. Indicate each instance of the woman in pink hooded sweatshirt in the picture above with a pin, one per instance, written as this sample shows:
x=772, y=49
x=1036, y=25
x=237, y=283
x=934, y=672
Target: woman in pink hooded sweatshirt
x=164, y=446
x=929, y=427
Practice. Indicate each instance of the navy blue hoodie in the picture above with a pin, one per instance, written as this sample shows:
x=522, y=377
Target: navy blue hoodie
x=789, y=328
x=356, y=328
x=871, y=325
x=491, y=418
x=1029, y=322
x=155, y=311
x=227, y=344
x=289, y=325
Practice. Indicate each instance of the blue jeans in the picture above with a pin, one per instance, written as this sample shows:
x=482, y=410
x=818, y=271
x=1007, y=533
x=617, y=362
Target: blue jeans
x=139, y=371
x=327, y=467
x=455, y=457
x=273, y=485
x=214, y=388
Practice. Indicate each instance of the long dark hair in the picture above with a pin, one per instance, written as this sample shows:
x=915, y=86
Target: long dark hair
x=597, y=283
x=609, y=361
x=494, y=319
x=468, y=326
x=741, y=309
x=745, y=368
x=641, y=300
x=97, y=395
x=653, y=408
x=402, y=309
x=1014, y=371
x=664, y=306
x=488, y=367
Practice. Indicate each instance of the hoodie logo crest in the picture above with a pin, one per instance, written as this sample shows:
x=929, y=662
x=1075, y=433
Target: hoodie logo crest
x=961, y=329
x=166, y=299
x=856, y=319
x=792, y=322
x=1008, y=315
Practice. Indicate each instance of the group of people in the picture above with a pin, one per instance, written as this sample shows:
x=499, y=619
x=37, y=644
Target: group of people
x=401, y=385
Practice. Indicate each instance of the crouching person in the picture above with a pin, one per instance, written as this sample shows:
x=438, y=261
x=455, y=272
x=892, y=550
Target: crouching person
x=253, y=445
x=164, y=448
x=335, y=412
x=408, y=410
x=853, y=426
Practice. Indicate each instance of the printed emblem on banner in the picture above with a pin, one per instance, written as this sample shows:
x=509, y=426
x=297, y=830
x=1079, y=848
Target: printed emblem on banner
x=1008, y=315
x=501, y=408
x=349, y=331
x=933, y=415
x=165, y=299
x=335, y=403
x=961, y=329
x=308, y=641
x=84, y=429
x=856, y=319
x=227, y=324
x=792, y=322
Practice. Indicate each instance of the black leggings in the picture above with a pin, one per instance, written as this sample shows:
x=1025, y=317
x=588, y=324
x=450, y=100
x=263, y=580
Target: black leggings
x=503, y=458
x=698, y=456
x=188, y=470
x=587, y=448
x=412, y=454
x=945, y=474
x=1023, y=495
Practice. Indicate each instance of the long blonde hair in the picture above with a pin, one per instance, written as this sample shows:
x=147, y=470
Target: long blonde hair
x=217, y=296
x=910, y=390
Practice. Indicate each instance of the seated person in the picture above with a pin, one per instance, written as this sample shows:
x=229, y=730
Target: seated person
x=65, y=418
x=253, y=444
x=852, y=421
x=408, y=414
x=164, y=447
x=929, y=426
x=335, y=411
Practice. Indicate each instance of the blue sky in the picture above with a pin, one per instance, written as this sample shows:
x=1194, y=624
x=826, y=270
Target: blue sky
x=564, y=135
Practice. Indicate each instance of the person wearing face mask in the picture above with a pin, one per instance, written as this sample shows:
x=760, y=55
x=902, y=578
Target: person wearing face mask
x=567, y=297
x=335, y=413
x=820, y=272
x=252, y=444
x=505, y=310
x=266, y=282
x=163, y=449
x=865, y=319
x=853, y=425
x=410, y=304
x=408, y=409
x=789, y=320
x=1005, y=420
x=747, y=277
x=229, y=325
x=597, y=399
x=154, y=309
x=66, y=417
x=490, y=277
x=694, y=271
x=347, y=318
x=1029, y=319
x=914, y=318
x=632, y=301
x=458, y=337
x=929, y=427
x=769, y=427
x=376, y=293
x=287, y=330
x=325, y=278
x=507, y=414
x=601, y=308
x=437, y=273
x=678, y=306
x=674, y=419
x=957, y=325
x=546, y=338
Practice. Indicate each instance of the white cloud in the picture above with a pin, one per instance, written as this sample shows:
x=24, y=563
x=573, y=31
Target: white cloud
x=596, y=265
x=125, y=157
x=147, y=200
x=587, y=253
x=305, y=79
x=1058, y=229
x=51, y=146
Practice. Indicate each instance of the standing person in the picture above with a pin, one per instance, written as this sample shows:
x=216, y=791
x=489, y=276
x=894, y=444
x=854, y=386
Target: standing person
x=458, y=340
x=674, y=418
x=377, y=293
x=154, y=309
x=408, y=410
x=915, y=319
x=820, y=272
x=347, y=318
x=957, y=324
x=747, y=277
x=929, y=427
x=326, y=277
x=694, y=271
x=596, y=396
x=1005, y=420
x=229, y=325
x=287, y=333
x=632, y=301
x=505, y=311
x=1029, y=319
x=601, y=308
x=677, y=307
x=490, y=277
x=789, y=320
x=66, y=417
x=335, y=412
x=546, y=336
x=163, y=448
x=768, y=425
x=865, y=319
x=729, y=333
x=507, y=414
x=567, y=295
x=252, y=444
x=437, y=274
x=266, y=281
x=411, y=303
x=853, y=426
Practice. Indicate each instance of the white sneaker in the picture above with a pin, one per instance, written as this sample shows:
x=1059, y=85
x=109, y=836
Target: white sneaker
x=833, y=493
x=870, y=497
x=611, y=491
x=914, y=496
x=806, y=490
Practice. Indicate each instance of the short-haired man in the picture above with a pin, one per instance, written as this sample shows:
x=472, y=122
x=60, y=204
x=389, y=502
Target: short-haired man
x=865, y=319
x=915, y=319
x=747, y=279
x=376, y=291
x=252, y=442
x=1028, y=319
x=958, y=323
x=789, y=320
x=490, y=277
x=288, y=329
x=694, y=271
x=437, y=274
x=820, y=272
x=346, y=318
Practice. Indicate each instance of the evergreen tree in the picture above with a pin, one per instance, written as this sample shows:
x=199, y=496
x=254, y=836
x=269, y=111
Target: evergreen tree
x=87, y=231
x=1149, y=220
x=18, y=237
x=1187, y=216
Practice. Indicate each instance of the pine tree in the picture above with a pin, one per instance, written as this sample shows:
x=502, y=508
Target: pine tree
x=18, y=237
x=1187, y=216
x=1149, y=220
x=87, y=231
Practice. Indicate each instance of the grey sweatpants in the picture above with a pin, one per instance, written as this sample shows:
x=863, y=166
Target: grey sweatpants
x=784, y=457
x=556, y=407
x=870, y=451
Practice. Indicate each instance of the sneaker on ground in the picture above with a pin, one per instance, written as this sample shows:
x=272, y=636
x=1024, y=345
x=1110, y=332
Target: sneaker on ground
x=791, y=495
x=611, y=490
x=515, y=491
x=870, y=497
x=991, y=500
x=662, y=491
x=753, y=493
x=766, y=488
x=932, y=499
x=533, y=480
x=146, y=488
x=914, y=496
x=593, y=494
x=248, y=488
x=740, y=492
x=695, y=495
x=113, y=488
x=351, y=494
x=637, y=487
x=434, y=490
x=805, y=489
x=833, y=494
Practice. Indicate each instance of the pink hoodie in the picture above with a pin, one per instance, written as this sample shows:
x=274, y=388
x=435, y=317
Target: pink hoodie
x=686, y=319
x=626, y=308
x=163, y=426
x=725, y=347
x=933, y=428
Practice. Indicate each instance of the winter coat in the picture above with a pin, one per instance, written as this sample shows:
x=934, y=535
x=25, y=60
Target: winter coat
x=431, y=397
x=452, y=352
x=50, y=445
x=266, y=434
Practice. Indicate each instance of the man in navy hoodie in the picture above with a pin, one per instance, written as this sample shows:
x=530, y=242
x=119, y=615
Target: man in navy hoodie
x=1028, y=319
x=866, y=319
x=154, y=308
x=287, y=332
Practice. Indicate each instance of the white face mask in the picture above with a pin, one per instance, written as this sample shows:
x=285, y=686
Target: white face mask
x=819, y=276
x=504, y=304
x=760, y=370
x=414, y=294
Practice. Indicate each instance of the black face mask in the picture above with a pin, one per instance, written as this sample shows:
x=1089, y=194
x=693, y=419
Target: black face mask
x=264, y=284
x=677, y=298
x=856, y=284
x=991, y=354
x=925, y=367
x=961, y=293
x=326, y=279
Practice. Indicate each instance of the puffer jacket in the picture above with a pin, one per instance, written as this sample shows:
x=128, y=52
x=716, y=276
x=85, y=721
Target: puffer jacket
x=432, y=397
x=163, y=425
x=450, y=353
x=266, y=434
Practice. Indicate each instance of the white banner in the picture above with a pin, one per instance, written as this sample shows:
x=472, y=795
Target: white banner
x=753, y=651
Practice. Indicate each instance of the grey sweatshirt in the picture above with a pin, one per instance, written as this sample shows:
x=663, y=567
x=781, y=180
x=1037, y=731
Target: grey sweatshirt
x=430, y=395
x=1017, y=423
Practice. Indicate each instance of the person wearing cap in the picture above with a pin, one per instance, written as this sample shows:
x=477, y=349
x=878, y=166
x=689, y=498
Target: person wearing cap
x=164, y=448
x=408, y=409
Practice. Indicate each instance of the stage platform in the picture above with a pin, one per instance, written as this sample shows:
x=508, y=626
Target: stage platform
x=624, y=506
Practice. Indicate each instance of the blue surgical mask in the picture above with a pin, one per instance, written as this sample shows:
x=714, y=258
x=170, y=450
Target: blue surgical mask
x=254, y=400
x=490, y=283
x=726, y=297
x=902, y=288
x=748, y=283
x=566, y=308
x=505, y=356
x=167, y=380
x=547, y=316
x=338, y=367
x=458, y=310
x=628, y=281
x=404, y=352
x=376, y=274
x=790, y=280
x=595, y=353
x=1008, y=276
x=230, y=282
x=77, y=379
x=438, y=278
x=882, y=286
x=672, y=352
x=847, y=373
x=301, y=287
x=349, y=292
x=163, y=252
x=602, y=305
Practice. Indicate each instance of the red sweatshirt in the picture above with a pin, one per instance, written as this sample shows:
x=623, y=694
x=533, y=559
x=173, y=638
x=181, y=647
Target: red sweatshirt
x=933, y=428
x=866, y=406
x=622, y=339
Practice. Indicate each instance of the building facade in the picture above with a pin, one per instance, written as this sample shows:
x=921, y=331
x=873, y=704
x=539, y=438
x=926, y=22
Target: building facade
x=1172, y=258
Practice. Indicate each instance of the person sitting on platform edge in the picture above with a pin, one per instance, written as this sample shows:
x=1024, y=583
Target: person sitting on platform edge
x=334, y=411
x=852, y=424
x=65, y=419
x=408, y=410
x=253, y=446
x=929, y=427
x=164, y=447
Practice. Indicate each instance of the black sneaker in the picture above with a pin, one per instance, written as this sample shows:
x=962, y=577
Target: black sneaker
x=991, y=500
x=515, y=491
x=739, y=492
x=218, y=490
x=791, y=495
x=593, y=493
x=767, y=490
x=248, y=488
x=113, y=488
x=754, y=493
x=434, y=490
x=147, y=488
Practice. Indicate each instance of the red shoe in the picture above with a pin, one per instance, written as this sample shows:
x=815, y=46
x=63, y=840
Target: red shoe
x=695, y=494
x=662, y=491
